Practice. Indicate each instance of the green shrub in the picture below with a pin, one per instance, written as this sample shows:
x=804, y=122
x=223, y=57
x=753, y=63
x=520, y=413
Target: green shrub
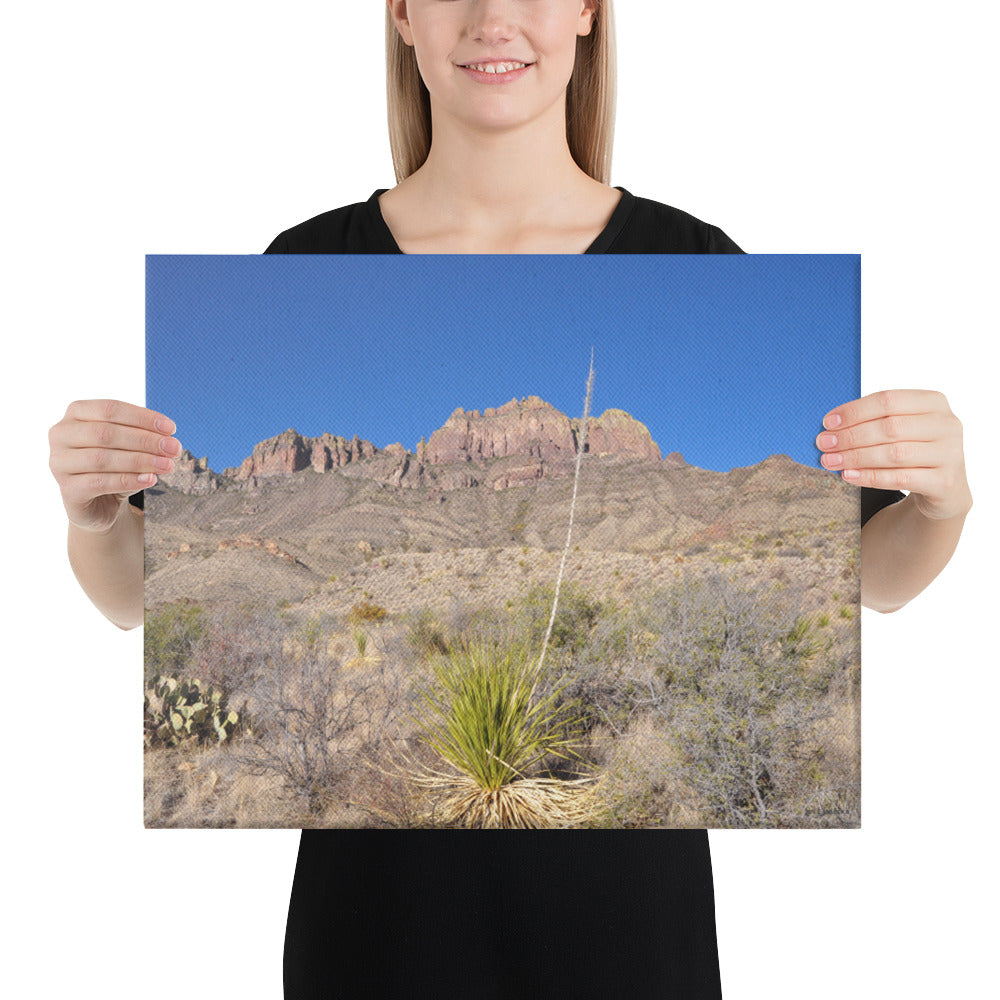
x=360, y=641
x=576, y=616
x=743, y=680
x=170, y=637
x=425, y=634
x=312, y=632
x=366, y=611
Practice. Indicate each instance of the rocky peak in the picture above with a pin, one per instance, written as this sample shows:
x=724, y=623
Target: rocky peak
x=190, y=475
x=532, y=428
x=616, y=432
x=292, y=452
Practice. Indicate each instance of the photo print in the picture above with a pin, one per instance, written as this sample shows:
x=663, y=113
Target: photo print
x=501, y=542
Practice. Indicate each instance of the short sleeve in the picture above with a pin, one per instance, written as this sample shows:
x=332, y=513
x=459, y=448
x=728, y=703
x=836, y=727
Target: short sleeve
x=719, y=242
x=872, y=501
x=278, y=245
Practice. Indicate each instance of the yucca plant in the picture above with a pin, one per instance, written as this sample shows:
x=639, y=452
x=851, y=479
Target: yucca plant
x=483, y=717
x=360, y=641
x=486, y=716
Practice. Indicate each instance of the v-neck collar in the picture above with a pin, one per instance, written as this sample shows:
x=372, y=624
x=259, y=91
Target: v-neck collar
x=604, y=238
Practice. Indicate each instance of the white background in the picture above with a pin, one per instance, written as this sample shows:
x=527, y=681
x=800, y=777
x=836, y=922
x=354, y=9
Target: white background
x=208, y=127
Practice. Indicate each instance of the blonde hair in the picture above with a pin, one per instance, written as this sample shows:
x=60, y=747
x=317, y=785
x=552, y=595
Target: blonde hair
x=590, y=100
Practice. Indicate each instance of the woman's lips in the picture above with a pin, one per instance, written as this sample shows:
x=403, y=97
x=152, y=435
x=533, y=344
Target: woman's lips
x=496, y=71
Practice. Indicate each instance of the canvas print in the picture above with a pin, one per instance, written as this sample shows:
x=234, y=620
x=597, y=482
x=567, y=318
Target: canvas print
x=501, y=543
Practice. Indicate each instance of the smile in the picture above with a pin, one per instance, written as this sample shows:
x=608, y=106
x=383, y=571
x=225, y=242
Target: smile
x=495, y=67
x=493, y=73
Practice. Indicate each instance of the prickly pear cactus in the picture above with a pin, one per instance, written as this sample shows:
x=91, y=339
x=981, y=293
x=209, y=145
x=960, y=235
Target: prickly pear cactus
x=176, y=709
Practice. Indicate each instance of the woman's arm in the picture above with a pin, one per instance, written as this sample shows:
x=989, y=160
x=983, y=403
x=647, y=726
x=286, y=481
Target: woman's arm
x=902, y=551
x=101, y=452
x=109, y=566
x=906, y=439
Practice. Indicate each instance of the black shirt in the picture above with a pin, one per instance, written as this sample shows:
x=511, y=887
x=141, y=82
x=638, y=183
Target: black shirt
x=637, y=225
x=486, y=915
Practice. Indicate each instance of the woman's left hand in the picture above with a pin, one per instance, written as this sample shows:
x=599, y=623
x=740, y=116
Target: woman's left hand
x=901, y=439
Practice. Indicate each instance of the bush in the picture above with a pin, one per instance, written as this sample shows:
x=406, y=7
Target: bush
x=366, y=611
x=576, y=616
x=426, y=635
x=741, y=683
x=170, y=637
x=317, y=722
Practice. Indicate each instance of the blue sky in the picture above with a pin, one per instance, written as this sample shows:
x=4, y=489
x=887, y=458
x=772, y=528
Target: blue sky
x=727, y=359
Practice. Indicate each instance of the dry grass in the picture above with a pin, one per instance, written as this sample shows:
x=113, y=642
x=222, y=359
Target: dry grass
x=523, y=804
x=207, y=788
x=639, y=788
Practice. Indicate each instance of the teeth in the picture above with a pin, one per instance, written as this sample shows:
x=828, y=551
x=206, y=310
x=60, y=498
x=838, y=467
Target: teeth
x=496, y=67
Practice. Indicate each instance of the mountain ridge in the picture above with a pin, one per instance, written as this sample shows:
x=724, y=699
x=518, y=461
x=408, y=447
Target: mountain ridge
x=532, y=437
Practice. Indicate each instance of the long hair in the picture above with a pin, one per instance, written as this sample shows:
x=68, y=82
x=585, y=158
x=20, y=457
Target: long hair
x=590, y=100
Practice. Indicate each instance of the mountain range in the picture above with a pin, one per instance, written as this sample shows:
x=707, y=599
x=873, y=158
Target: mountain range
x=330, y=518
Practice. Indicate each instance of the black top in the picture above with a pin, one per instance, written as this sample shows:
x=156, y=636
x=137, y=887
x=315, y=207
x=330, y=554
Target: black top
x=496, y=914
x=637, y=225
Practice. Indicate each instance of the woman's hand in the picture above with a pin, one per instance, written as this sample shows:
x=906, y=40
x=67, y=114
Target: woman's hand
x=103, y=451
x=901, y=439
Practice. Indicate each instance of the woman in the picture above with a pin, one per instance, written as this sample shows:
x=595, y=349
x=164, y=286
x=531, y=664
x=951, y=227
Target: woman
x=501, y=114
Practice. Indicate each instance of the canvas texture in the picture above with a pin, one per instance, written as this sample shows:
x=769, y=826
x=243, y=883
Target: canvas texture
x=502, y=542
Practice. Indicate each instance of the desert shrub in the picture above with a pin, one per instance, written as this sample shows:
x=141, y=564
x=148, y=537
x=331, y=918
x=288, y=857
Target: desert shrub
x=312, y=631
x=230, y=654
x=696, y=550
x=604, y=677
x=360, y=641
x=366, y=611
x=318, y=723
x=426, y=633
x=741, y=679
x=576, y=616
x=170, y=636
x=793, y=552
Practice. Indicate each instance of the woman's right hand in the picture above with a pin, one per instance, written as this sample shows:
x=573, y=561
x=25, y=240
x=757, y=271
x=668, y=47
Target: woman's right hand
x=103, y=451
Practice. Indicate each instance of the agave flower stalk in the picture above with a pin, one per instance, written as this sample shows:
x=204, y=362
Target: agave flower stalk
x=572, y=506
x=483, y=717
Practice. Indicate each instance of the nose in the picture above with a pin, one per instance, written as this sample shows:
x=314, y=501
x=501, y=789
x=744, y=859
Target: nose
x=491, y=21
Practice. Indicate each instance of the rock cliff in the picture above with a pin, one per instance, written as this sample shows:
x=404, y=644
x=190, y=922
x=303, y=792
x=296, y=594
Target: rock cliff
x=533, y=428
x=519, y=442
x=291, y=452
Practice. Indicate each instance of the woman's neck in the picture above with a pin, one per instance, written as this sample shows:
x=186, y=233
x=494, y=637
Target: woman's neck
x=498, y=174
x=510, y=191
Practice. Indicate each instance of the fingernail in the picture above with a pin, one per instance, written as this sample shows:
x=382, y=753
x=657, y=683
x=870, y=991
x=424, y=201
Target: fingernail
x=164, y=426
x=833, y=420
x=851, y=474
x=833, y=460
x=146, y=478
x=163, y=464
x=828, y=440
